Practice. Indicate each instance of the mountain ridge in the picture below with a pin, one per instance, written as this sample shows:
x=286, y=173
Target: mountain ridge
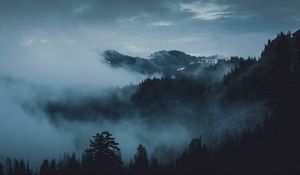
x=161, y=62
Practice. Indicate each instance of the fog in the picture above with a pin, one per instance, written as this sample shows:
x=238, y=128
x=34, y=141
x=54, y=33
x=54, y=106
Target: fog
x=47, y=67
x=61, y=60
x=31, y=136
x=41, y=68
x=23, y=136
x=28, y=132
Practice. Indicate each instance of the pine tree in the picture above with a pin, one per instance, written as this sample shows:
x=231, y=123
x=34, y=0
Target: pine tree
x=53, y=167
x=28, y=170
x=105, y=153
x=140, y=158
x=8, y=165
x=45, y=170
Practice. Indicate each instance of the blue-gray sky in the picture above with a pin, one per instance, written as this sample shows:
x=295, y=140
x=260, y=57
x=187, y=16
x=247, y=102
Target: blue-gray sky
x=140, y=27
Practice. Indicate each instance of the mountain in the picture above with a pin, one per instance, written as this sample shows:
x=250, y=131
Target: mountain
x=163, y=62
x=136, y=64
x=270, y=82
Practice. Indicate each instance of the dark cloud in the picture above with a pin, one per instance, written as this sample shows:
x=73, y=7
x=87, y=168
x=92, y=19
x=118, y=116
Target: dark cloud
x=262, y=16
x=90, y=11
x=231, y=12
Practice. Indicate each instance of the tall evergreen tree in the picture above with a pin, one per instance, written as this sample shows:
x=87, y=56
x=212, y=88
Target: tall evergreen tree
x=8, y=166
x=28, y=170
x=140, y=159
x=53, y=167
x=105, y=153
x=45, y=169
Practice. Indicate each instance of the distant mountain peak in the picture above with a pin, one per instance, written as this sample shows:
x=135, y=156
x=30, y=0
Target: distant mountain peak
x=111, y=53
x=162, y=61
x=174, y=53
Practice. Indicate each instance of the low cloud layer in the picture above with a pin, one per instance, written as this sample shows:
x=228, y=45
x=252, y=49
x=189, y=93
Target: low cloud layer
x=24, y=136
x=24, y=122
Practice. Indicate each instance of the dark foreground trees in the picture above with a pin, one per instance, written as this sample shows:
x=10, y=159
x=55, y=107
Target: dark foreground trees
x=1, y=169
x=15, y=167
x=261, y=150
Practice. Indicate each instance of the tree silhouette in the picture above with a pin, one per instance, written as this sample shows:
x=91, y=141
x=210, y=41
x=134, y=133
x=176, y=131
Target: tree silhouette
x=195, y=158
x=68, y=165
x=22, y=169
x=53, y=167
x=16, y=168
x=105, y=153
x=28, y=170
x=45, y=169
x=8, y=165
x=140, y=159
x=1, y=169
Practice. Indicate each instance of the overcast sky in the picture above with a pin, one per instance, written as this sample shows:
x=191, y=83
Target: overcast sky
x=140, y=27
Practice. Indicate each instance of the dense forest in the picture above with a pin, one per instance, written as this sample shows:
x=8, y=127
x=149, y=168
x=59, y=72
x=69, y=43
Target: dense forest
x=270, y=146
